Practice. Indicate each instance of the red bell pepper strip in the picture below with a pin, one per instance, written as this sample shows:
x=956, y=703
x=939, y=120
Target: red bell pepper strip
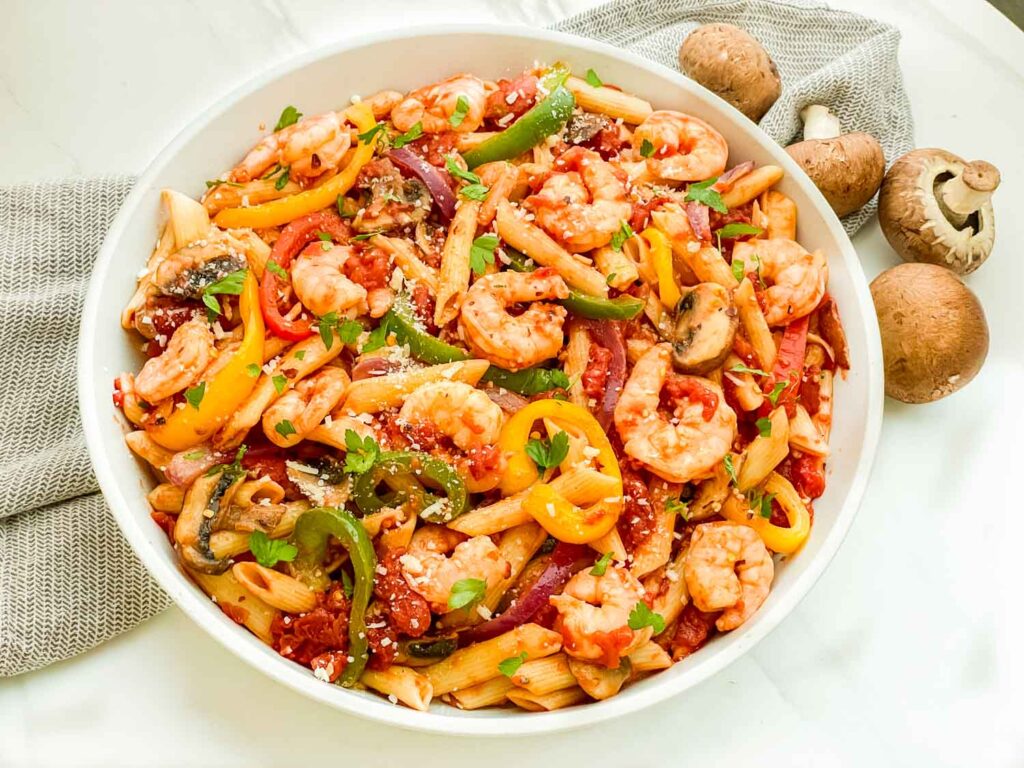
x=789, y=362
x=293, y=238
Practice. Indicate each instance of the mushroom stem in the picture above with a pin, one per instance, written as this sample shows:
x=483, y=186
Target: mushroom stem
x=965, y=193
x=819, y=122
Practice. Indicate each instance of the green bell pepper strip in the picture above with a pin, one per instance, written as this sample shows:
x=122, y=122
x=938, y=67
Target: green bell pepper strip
x=581, y=304
x=312, y=530
x=544, y=119
x=412, y=464
x=401, y=321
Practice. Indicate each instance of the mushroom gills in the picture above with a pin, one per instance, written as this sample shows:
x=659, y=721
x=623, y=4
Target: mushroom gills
x=703, y=329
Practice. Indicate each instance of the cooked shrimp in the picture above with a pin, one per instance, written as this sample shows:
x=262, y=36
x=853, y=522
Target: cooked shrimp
x=796, y=279
x=189, y=352
x=305, y=406
x=593, y=616
x=728, y=567
x=514, y=342
x=467, y=415
x=690, y=444
x=433, y=106
x=321, y=285
x=583, y=203
x=307, y=149
x=438, y=557
x=685, y=148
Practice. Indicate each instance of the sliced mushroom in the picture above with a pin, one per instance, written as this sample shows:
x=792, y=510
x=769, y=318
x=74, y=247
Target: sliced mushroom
x=935, y=207
x=703, y=328
x=205, y=502
x=846, y=167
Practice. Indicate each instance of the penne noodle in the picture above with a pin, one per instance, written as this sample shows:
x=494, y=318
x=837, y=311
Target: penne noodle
x=656, y=549
x=241, y=605
x=410, y=687
x=611, y=542
x=609, y=101
x=597, y=681
x=143, y=446
x=400, y=536
x=231, y=195
x=502, y=178
x=535, y=243
x=750, y=185
x=476, y=663
x=145, y=288
x=275, y=588
x=485, y=694
x=748, y=393
x=823, y=418
x=545, y=675
x=454, y=277
x=405, y=256
x=765, y=453
x=804, y=435
x=711, y=493
x=467, y=141
x=618, y=269
x=694, y=262
x=780, y=213
x=548, y=701
x=333, y=434
x=254, y=491
x=576, y=361
x=650, y=657
x=166, y=498
x=754, y=324
x=379, y=393
x=669, y=588
x=387, y=518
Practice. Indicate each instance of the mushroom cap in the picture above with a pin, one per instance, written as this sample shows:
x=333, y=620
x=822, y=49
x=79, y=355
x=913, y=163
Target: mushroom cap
x=727, y=60
x=847, y=169
x=934, y=334
x=916, y=224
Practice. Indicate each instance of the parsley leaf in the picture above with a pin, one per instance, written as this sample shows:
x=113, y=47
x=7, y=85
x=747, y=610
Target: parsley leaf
x=777, y=390
x=548, y=455
x=466, y=592
x=738, y=229
x=738, y=269
x=282, y=180
x=269, y=552
x=367, y=137
x=475, y=191
x=277, y=270
x=461, y=110
x=285, y=428
x=376, y=339
x=608, y=280
x=348, y=330
x=511, y=665
x=343, y=208
x=367, y=235
x=453, y=168
x=764, y=426
x=482, y=253
x=619, y=238
x=347, y=585
x=646, y=148
x=730, y=469
x=741, y=368
x=411, y=135
x=601, y=565
x=289, y=116
x=194, y=395
x=280, y=382
x=229, y=284
x=300, y=355
x=642, y=616
x=593, y=79
x=701, y=192
x=211, y=183
x=679, y=507
x=361, y=452
x=252, y=370
x=195, y=455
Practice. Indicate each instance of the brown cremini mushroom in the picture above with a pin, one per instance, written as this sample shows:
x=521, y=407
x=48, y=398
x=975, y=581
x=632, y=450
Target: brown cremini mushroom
x=727, y=60
x=703, y=329
x=934, y=334
x=846, y=167
x=936, y=208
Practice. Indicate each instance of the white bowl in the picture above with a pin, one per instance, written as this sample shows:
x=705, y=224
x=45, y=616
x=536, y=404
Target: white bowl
x=326, y=79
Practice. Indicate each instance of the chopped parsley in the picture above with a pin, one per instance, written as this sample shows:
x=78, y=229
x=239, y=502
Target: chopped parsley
x=269, y=552
x=608, y=280
x=701, y=192
x=738, y=229
x=346, y=584
x=738, y=269
x=194, y=395
x=511, y=665
x=367, y=137
x=453, y=168
x=195, y=455
x=285, y=428
x=300, y=355
x=777, y=390
x=619, y=238
x=764, y=426
x=549, y=454
x=679, y=507
x=368, y=235
x=343, y=208
x=326, y=241
x=280, y=382
x=466, y=592
x=230, y=284
x=276, y=269
x=760, y=503
x=377, y=338
x=730, y=469
x=411, y=135
x=482, y=253
x=461, y=110
x=601, y=565
x=211, y=183
x=593, y=79
x=289, y=116
x=348, y=330
x=642, y=616
x=282, y=180
x=741, y=368
x=252, y=370
x=475, y=191
x=646, y=148
x=361, y=452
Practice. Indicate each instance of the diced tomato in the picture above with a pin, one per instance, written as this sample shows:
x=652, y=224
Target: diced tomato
x=303, y=637
x=423, y=305
x=595, y=377
x=641, y=215
x=435, y=147
x=636, y=523
x=514, y=96
x=810, y=390
x=369, y=268
x=807, y=474
x=332, y=662
x=406, y=611
x=692, y=631
x=689, y=388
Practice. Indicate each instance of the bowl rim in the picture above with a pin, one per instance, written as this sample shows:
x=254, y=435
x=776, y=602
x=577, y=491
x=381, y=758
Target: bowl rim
x=186, y=597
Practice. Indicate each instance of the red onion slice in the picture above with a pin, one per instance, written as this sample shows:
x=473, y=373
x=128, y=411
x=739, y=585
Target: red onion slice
x=510, y=402
x=699, y=216
x=554, y=578
x=186, y=466
x=608, y=334
x=438, y=187
x=727, y=179
x=374, y=365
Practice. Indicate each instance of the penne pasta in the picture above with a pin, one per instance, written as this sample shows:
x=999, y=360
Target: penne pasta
x=275, y=588
x=650, y=657
x=255, y=491
x=241, y=605
x=166, y=497
x=748, y=393
x=695, y=262
x=804, y=435
x=765, y=452
x=410, y=687
x=145, y=447
x=597, y=681
x=780, y=213
x=754, y=325
x=542, y=676
x=408, y=261
x=502, y=178
x=378, y=393
x=486, y=694
x=611, y=542
x=656, y=550
x=547, y=702
x=669, y=588
x=618, y=269
x=230, y=543
x=609, y=101
x=750, y=185
x=454, y=278
x=576, y=361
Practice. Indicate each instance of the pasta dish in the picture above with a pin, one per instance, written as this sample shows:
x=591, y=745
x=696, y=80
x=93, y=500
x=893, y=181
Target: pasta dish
x=495, y=393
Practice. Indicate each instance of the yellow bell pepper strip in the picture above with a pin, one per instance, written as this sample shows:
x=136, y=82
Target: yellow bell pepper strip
x=227, y=390
x=785, y=541
x=287, y=209
x=556, y=514
x=661, y=255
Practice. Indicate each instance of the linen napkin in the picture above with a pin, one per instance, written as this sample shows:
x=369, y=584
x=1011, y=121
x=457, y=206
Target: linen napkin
x=68, y=579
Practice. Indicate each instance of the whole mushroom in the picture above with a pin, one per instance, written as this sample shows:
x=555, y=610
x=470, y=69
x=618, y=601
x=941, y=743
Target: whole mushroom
x=934, y=334
x=846, y=167
x=727, y=60
x=935, y=207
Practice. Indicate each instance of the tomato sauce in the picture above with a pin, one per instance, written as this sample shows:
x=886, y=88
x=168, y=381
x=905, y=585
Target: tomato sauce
x=692, y=631
x=303, y=637
x=514, y=96
x=679, y=388
x=406, y=611
x=369, y=267
x=435, y=147
x=595, y=377
x=637, y=521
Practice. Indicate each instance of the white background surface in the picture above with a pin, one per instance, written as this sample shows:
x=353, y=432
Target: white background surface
x=907, y=652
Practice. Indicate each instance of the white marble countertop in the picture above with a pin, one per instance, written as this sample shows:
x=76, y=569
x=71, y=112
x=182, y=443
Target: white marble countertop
x=907, y=652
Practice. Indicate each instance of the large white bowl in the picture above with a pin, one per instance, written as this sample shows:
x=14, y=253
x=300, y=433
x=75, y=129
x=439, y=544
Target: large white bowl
x=327, y=78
